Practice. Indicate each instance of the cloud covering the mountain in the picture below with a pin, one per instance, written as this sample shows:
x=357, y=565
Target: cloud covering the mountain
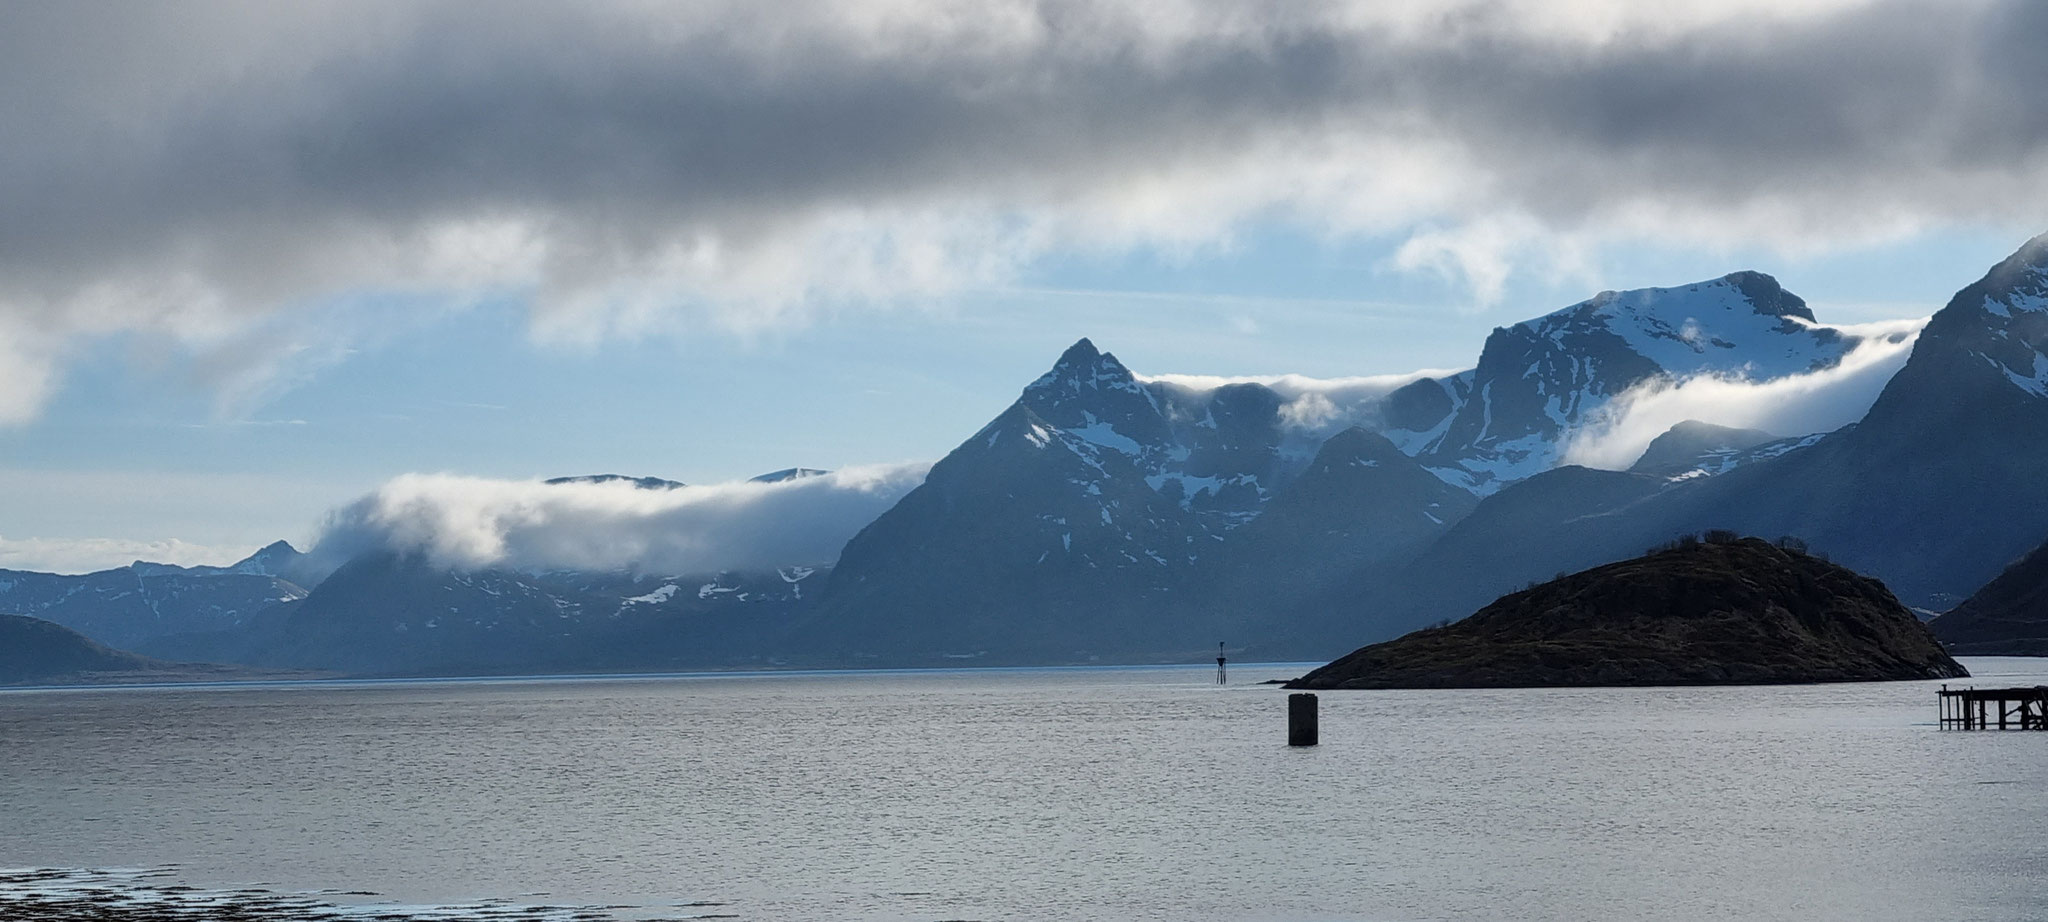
x=223, y=174
x=1818, y=401
x=473, y=522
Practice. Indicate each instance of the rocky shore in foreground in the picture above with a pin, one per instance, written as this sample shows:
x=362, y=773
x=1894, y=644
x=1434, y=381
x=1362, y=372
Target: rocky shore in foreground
x=79, y=895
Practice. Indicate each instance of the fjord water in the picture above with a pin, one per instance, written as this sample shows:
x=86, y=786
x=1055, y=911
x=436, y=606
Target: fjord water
x=1047, y=794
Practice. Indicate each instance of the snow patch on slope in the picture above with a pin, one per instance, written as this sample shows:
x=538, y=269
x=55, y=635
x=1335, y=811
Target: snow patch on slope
x=656, y=597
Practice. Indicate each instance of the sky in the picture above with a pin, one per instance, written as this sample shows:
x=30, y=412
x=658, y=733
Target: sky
x=262, y=263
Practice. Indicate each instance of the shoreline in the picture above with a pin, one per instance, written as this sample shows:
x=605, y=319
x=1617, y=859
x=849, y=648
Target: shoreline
x=158, y=895
x=315, y=681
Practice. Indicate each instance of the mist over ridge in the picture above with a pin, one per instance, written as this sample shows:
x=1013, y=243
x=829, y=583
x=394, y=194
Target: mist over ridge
x=475, y=522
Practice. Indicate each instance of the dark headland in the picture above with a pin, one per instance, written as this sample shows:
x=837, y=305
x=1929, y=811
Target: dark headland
x=38, y=652
x=1726, y=611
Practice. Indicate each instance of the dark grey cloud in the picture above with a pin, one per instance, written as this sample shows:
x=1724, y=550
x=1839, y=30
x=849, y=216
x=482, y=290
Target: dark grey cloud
x=187, y=168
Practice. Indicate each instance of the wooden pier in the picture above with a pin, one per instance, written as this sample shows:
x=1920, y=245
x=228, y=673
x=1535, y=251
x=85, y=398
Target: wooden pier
x=1994, y=708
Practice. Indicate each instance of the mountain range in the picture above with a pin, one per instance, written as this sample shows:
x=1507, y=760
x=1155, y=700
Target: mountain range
x=1109, y=516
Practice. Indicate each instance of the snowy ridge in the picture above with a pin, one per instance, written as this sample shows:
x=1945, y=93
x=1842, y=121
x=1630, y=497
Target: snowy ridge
x=1221, y=448
x=2013, y=322
x=1539, y=381
x=1721, y=461
x=1742, y=321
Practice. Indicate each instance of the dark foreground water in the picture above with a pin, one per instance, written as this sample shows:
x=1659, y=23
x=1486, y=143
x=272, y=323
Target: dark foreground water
x=1054, y=794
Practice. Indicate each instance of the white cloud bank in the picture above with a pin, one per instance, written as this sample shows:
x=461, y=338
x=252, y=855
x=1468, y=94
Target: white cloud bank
x=472, y=522
x=230, y=177
x=89, y=555
x=1820, y=401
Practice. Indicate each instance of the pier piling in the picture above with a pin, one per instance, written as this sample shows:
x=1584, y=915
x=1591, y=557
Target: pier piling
x=2018, y=708
x=1301, y=719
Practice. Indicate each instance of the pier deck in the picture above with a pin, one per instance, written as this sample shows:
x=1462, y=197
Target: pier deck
x=1994, y=708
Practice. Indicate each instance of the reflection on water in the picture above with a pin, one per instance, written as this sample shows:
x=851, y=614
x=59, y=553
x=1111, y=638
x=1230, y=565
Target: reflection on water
x=1053, y=794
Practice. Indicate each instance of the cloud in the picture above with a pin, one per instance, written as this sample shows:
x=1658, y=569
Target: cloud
x=220, y=174
x=1314, y=407
x=1820, y=401
x=88, y=555
x=1296, y=386
x=472, y=522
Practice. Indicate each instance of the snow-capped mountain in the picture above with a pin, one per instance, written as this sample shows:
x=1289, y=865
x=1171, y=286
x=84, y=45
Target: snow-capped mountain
x=1154, y=500
x=1943, y=481
x=1540, y=380
x=1102, y=515
x=140, y=606
x=1108, y=517
x=1218, y=453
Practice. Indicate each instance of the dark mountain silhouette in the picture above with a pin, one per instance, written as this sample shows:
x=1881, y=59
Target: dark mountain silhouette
x=1726, y=611
x=644, y=483
x=2008, y=617
x=34, y=650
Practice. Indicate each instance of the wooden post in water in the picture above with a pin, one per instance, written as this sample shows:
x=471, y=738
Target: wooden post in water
x=1301, y=719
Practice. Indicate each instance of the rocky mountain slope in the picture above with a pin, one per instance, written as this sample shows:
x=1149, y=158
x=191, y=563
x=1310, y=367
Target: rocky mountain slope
x=2008, y=617
x=1937, y=487
x=143, y=604
x=1730, y=611
x=391, y=614
x=1103, y=514
x=1696, y=446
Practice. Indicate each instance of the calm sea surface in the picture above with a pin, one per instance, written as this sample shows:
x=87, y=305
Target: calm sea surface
x=1047, y=794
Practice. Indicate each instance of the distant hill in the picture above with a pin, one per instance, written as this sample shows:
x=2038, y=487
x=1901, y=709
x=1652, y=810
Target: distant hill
x=644, y=483
x=788, y=474
x=1734, y=611
x=33, y=650
x=2008, y=617
x=38, y=652
x=1693, y=445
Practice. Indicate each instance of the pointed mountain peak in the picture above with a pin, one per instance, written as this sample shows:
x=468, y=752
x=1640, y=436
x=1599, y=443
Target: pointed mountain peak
x=2025, y=272
x=1083, y=367
x=1081, y=352
x=271, y=560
